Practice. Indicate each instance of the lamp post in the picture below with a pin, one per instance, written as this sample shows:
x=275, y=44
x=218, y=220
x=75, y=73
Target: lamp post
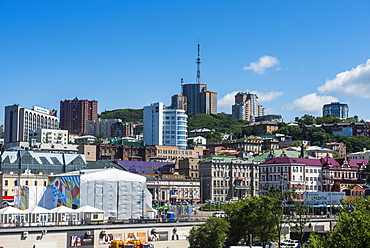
x=156, y=169
x=282, y=179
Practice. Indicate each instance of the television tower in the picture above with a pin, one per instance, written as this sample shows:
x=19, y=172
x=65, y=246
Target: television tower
x=198, y=65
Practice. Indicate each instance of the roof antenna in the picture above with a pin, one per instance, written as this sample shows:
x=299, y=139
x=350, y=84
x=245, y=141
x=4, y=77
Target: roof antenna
x=198, y=65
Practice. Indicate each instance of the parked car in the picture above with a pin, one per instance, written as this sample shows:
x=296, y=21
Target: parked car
x=219, y=214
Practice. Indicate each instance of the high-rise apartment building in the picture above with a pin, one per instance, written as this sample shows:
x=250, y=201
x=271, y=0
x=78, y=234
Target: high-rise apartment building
x=193, y=93
x=337, y=109
x=101, y=127
x=75, y=113
x=246, y=106
x=20, y=121
x=179, y=101
x=165, y=126
x=209, y=102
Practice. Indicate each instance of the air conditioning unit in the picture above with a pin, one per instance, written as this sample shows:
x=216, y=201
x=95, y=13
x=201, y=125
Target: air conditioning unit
x=25, y=234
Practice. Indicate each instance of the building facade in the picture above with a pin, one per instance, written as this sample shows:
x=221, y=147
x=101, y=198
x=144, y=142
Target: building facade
x=165, y=126
x=226, y=177
x=20, y=121
x=49, y=136
x=75, y=113
x=101, y=127
x=263, y=127
x=347, y=129
x=252, y=144
x=302, y=174
x=246, y=107
x=173, y=188
x=337, y=109
x=343, y=173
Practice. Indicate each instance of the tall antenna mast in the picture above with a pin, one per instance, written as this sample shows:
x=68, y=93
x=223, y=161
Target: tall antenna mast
x=182, y=83
x=198, y=65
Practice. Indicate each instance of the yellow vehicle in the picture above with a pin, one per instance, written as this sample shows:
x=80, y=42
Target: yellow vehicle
x=130, y=244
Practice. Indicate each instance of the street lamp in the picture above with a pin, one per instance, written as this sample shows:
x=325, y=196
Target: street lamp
x=156, y=169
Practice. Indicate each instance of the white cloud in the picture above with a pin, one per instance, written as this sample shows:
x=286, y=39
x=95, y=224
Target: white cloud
x=311, y=103
x=263, y=63
x=355, y=82
x=224, y=104
x=267, y=96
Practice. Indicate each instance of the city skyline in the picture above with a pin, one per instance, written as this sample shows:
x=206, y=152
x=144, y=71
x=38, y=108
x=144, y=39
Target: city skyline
x=296, y=56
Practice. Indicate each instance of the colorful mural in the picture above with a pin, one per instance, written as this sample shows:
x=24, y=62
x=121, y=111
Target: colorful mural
x=180, y=209
x=20, y=197
x=66, y=190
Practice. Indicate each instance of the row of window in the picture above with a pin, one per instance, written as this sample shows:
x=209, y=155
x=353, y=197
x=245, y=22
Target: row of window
x=175, y=152
x=26, y=182
x=285, y=169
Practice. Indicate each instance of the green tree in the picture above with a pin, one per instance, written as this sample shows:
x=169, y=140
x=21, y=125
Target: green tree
x=318, y=136
x=294, y=131
x=328, y=119
x=214, y=137
x=352, y=228
x=355, y=143
x=306, y=120
x=220, y=122
x=212, y=234
x=251, y=216
x=130, y=115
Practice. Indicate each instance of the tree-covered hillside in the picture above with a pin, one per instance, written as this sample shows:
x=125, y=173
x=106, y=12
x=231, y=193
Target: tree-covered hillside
x=123, y=114
x=221, y=123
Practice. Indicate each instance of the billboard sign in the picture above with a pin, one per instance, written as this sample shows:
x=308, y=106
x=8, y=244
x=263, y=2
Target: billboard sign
x=174, y=193
x=329, y=198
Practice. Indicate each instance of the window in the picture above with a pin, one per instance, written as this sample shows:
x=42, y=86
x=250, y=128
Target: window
x=26, y=182
x=15, y=183
x=6, y=182
x=35, y=183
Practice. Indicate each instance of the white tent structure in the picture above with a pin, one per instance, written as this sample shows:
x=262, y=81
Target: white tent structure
x=39, y=216
x=11, y=216
x=65, y=216
x=120, y=194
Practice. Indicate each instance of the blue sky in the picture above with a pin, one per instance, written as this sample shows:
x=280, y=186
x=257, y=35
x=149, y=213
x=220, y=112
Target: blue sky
x=295, y=55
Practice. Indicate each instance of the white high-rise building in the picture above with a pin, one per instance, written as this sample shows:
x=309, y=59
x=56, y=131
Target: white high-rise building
x=20, y=121
x=165, y=126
